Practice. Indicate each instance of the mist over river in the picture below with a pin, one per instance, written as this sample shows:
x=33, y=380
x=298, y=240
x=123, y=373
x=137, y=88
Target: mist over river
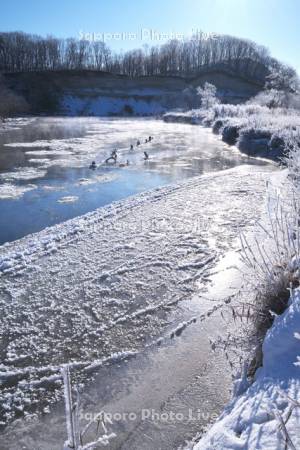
x=44, y=165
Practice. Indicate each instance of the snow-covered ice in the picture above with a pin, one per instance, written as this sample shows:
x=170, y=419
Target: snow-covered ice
x=23, y=173
x=105, y=178
x=68, y=199
x=147, y=253
x=12, y=191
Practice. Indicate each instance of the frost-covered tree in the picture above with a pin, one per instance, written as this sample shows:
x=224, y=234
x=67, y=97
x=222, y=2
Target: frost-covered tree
x=283, y=78
x=272, y=98
x=282, y=88
x=208, y=95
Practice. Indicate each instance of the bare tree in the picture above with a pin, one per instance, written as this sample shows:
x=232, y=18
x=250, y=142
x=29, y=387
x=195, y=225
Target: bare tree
x=24, y=52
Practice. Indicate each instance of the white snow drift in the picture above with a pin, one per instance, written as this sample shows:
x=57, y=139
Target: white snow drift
x=267, y=415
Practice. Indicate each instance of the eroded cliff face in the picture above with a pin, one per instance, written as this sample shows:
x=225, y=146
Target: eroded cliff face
x=102, y=94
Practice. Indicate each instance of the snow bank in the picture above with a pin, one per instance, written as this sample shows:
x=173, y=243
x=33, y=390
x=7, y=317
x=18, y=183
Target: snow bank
x=107, y=106
x=256, y=130
x=268, y=412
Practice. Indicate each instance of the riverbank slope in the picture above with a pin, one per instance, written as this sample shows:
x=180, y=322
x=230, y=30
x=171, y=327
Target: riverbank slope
x=97, y=93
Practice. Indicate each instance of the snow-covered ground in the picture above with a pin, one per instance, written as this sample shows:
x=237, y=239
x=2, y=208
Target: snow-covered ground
x=266, y=416
x=103, y=283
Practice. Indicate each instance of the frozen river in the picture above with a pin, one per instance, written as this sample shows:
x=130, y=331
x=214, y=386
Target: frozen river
x=128, y=295
x=44, y=174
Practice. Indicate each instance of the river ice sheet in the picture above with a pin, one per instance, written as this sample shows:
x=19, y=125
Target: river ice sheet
x=103, y=283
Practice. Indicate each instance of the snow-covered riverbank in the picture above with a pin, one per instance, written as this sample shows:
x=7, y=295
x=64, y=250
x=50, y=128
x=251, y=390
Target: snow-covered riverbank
x=266, y=415
x=257, y=131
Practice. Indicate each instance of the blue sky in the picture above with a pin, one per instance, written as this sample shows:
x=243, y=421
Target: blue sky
x=273, y=23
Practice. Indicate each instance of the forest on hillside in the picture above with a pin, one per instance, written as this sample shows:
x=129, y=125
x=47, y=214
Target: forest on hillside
x=21, y=52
